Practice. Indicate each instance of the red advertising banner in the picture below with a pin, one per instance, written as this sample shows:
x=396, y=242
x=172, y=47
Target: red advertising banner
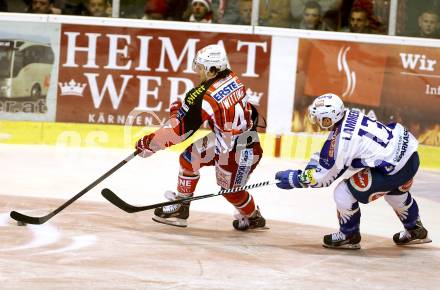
x=106, y=72
x=389, y=82
x=346, y=69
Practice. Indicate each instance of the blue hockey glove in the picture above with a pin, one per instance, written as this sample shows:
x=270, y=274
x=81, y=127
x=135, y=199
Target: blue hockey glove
x=288, y=179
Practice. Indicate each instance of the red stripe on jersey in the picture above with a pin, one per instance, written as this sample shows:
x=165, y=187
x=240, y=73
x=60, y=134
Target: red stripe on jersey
x=217, y=111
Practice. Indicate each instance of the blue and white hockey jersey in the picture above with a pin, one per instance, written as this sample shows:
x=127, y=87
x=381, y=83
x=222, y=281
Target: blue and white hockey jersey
x=359, y=142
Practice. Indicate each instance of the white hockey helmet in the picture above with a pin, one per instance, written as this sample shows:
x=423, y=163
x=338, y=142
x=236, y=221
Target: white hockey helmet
x=211, y=56
x=326, y=110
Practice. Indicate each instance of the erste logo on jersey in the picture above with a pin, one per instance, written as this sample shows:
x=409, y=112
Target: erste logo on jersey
x=226, y=89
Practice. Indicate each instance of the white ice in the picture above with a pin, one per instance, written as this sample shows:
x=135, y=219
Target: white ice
x=61, y=172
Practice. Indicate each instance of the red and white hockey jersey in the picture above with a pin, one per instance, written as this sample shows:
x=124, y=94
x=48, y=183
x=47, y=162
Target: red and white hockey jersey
x=220, y=101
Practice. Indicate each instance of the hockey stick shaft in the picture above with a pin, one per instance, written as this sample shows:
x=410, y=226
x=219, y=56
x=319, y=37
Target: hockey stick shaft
x=40, y=220
x=117, y=201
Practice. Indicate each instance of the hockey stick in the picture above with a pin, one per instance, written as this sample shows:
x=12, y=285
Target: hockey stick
x=117, y=201
x=19, y=217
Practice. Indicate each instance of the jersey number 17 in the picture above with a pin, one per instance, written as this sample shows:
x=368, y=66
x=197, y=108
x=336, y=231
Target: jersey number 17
x=376, y=131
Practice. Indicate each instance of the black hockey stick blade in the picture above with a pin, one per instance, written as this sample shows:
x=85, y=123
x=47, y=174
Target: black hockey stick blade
x=29, y=219
x=41, y=220
x=118, y=202
x=115, y=200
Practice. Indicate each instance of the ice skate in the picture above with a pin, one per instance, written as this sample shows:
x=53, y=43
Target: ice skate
x=418, y=235
x=340, y=241
x=244, y=223
x=175, y=214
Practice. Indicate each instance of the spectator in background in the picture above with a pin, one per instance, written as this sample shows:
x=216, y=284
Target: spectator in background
x=98, y=8
x=358, y=22
x=156, y=10
x=177, y=9
x=275, y=13
x=381, y=12
x=429, y=24
x=331, y=12
x=3, y=6
x=132, y=8
x=312, y=17
x=245, y=11
x=43, y=7
x=200, y=11
x=375, y=24
x=408, y=12
x=74, y=7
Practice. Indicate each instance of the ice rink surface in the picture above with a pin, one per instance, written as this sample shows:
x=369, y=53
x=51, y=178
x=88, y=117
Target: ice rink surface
x=93, y=245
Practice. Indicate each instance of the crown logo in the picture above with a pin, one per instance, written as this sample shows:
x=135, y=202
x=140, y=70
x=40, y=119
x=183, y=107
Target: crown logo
x=72, y=88
x=253, y=97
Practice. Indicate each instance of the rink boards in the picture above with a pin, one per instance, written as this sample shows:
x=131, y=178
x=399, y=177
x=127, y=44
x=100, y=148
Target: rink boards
x=293, y=146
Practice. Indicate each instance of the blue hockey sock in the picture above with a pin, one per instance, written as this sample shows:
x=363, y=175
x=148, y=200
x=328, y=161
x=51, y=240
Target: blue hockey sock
x=349, y=220
x=409, y=214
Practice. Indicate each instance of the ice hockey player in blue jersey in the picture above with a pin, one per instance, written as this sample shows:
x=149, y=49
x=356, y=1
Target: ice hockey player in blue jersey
x=386, y=159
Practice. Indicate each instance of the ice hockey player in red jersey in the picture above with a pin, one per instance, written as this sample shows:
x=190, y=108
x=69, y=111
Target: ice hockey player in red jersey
x=232, y=147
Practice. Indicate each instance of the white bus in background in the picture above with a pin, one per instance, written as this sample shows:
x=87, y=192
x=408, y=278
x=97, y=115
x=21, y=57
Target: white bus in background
x=25, y=68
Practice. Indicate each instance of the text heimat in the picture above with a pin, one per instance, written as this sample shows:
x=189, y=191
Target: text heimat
x=146, y=62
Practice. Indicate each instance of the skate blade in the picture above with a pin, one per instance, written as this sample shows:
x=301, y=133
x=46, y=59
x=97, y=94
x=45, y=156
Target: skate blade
x=417, y=241
x=181, y=223
x=343, y=247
